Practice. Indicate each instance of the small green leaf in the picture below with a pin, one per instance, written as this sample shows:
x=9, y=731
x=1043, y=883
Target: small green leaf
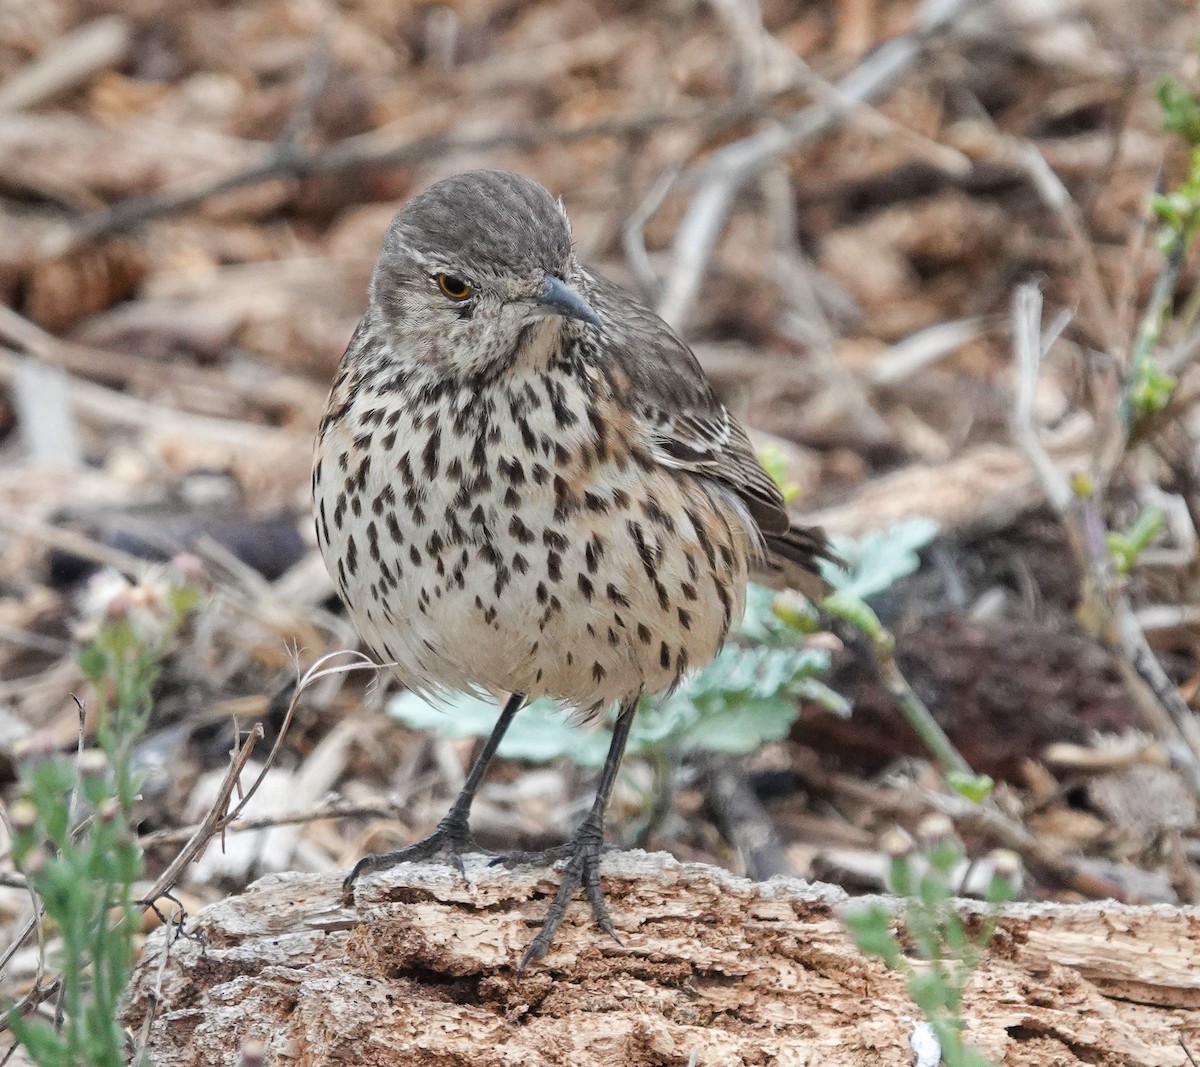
x=1001, y=889
x=50, y=785
x=93, y=662
x=871, y=928
x=817, y=692
x=539, y=734
x=900, y=876
x=929, y=991
x=796, y=612
x=775, y=462
x=971, y=1057
x=975, y=787
x=933, y=888
x=45, y=1047
x=184, y=599
x=855, y=611
x=875, y=562
x=1150, y=391
x=760, y=623
x=1180, y=110
x=945, y=856
x=740, y=728
x=1126, y=548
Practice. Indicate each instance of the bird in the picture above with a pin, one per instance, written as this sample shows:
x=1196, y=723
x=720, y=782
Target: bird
x=524, y=486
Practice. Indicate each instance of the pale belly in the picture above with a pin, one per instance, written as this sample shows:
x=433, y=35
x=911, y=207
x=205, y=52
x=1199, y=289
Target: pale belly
x=470, y=562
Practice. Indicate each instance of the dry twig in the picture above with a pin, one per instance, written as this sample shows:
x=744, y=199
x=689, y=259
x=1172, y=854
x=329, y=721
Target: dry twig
x=1104, y=605
x=110, y=407
x=743, y=821
x=381, y=148
x=338, y=809
x=219, y=816
x=93, y=47
x=215, y=819
x=728, y=169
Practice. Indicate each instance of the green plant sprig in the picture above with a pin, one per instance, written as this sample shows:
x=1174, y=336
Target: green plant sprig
x=873, y=564
x=83, y=875
x=943, y=951
x=1126, y=548
x=1149, y=388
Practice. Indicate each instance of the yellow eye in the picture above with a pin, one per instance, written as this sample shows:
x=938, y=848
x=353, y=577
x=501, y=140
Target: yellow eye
x=454, y=288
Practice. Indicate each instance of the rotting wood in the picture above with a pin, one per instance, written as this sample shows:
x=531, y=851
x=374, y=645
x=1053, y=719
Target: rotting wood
x=420, y=971
x=982, y=487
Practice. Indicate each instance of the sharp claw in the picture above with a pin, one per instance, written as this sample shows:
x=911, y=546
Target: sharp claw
x=533, y=953
x=348, y=882
x=583, y=868
x=454, y=841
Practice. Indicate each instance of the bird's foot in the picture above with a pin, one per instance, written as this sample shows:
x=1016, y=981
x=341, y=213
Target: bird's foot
x=582, y=854
x=543, y=857
x=451, y=838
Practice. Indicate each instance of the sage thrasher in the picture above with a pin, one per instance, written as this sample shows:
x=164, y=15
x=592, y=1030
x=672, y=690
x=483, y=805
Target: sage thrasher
x=524, y=486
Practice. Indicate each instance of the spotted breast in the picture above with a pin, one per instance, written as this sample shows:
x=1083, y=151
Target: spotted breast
x=518, y=536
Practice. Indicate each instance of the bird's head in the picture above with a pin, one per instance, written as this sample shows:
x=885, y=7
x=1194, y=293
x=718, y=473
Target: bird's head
x=477, y=272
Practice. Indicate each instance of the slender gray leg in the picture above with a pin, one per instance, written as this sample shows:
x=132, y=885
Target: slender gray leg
x=453, y=834
x=584, y=849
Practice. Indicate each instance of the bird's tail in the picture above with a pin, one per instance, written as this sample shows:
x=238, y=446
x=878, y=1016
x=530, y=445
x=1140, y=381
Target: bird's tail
x=792, y=561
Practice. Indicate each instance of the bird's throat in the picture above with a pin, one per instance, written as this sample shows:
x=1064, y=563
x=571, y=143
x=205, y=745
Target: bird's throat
x=538, y=344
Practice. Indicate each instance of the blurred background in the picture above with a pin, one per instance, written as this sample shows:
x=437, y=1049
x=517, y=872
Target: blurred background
x=934, y=254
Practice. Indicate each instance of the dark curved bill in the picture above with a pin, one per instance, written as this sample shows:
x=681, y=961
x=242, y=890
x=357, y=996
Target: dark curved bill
x=559, y=298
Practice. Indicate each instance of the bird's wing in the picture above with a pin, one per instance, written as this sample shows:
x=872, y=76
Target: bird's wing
x=682, y=422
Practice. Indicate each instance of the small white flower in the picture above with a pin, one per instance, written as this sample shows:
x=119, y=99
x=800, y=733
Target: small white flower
x=147, y=606
x=106, y=597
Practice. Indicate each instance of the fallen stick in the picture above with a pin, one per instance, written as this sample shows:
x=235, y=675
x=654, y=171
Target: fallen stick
x=421, y=970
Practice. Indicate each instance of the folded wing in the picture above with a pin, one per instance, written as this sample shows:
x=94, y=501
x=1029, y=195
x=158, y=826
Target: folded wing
x=685, y=426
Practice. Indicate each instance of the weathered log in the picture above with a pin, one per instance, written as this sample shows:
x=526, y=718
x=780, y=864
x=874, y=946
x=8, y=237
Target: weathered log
x=420, y=970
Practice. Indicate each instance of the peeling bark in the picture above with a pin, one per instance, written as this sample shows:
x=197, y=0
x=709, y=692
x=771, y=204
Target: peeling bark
x=420, y=971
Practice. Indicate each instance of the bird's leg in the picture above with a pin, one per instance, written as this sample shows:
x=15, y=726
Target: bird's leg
x=583, y=851
x=453, y=834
